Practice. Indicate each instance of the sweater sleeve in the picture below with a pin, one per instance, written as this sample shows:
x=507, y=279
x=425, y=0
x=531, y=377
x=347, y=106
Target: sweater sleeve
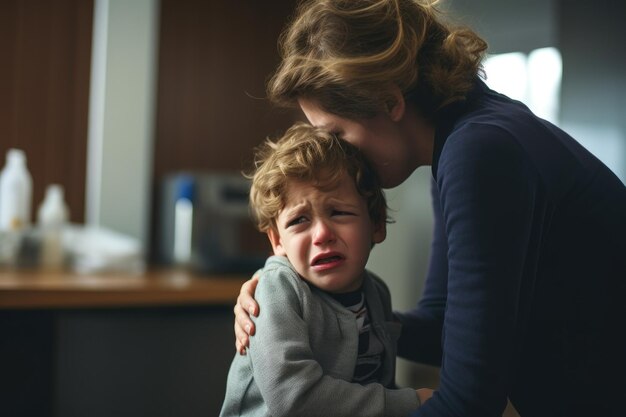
x=290, y=380
x=487, y=189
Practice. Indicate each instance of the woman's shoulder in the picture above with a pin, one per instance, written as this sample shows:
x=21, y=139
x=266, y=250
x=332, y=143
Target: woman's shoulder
x=483, y=145
x=492, y=119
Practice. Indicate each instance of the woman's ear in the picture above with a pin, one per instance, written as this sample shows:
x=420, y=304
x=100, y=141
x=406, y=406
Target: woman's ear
x=277, y=246
x=397, y=109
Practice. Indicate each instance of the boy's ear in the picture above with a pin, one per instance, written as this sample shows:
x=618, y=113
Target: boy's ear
x=396, y=111
x=380, y=232
x=277, y=246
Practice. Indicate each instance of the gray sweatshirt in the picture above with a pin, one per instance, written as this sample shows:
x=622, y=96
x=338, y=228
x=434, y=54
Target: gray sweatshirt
x=302, y=358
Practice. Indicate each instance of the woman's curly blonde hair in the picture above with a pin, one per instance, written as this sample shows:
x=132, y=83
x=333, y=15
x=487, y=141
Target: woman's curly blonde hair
x=345, y=54
x=309, y=154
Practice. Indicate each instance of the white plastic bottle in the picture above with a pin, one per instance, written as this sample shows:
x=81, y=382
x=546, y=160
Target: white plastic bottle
x=16, y=187
x=52, y=217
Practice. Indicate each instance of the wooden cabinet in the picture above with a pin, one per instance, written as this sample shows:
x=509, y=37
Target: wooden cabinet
x=45, y=55
x=214, y=59
x=157, y=344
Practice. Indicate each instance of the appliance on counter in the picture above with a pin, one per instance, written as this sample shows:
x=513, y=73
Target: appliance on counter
x=204, y=223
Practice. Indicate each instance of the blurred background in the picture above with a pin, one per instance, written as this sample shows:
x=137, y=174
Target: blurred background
x=116, y=100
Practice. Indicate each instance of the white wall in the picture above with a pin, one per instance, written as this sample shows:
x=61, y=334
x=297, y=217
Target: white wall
x=402, y=259
x=593, y=93
x=509, y=25
x=121, y=118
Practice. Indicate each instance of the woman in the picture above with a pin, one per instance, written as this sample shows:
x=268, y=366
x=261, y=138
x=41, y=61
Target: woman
x=527, y=277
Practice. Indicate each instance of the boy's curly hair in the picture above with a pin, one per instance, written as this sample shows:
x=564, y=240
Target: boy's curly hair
x=307, y=153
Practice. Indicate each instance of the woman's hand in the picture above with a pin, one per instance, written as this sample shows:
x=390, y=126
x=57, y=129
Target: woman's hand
x=424, y=394
x=246, y=306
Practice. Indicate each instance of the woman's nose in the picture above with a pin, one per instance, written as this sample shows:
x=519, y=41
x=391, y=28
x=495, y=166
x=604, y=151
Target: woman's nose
x=323, y=233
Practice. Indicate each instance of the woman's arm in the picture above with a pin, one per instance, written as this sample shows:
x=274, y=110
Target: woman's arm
x=486, y=188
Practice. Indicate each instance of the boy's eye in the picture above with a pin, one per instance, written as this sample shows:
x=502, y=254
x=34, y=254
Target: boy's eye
x=296, y=220
x=342, y=213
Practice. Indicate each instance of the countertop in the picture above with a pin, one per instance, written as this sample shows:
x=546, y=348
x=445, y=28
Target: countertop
x=35, y=289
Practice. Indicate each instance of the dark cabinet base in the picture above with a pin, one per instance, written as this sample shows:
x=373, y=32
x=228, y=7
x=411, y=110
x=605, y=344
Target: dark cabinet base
x=129, y=362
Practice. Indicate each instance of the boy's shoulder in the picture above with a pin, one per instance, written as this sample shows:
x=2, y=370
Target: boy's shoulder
x=280, y=282
x=278, y=267
x=279, y=275
x=281, y=289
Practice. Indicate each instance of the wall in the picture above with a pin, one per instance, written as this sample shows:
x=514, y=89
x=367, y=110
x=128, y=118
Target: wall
x=177, y=86
x=509, y=25
x=402, y=260
x=593, y=94
x=45, y=48
x=214, y=57
x=121, y=117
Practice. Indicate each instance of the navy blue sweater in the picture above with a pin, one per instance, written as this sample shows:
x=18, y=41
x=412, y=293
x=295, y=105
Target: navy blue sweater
x=527, y=279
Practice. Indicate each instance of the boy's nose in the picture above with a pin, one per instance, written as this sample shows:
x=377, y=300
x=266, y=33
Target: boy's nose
x=323, y=233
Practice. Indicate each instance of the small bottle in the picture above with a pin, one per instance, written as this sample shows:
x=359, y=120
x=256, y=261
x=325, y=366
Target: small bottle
x=183, y=220
x=16, y=187
x=52, y=217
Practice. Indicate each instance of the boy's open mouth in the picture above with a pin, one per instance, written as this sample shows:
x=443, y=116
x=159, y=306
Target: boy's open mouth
x=327, y=260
